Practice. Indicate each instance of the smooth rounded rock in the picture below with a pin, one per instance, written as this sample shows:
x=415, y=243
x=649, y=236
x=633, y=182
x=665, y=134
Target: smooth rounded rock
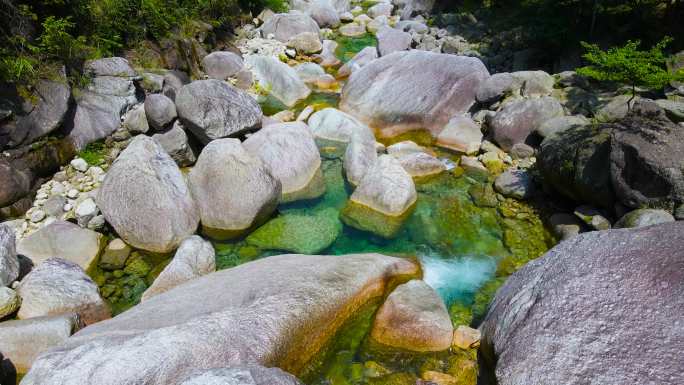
x=160, y=111
x=517, y=120
x=194, y=258
x=176, y=143
x=233, y=188
x=9, y=302
x=57, y=287
x=64, y=240
x=392, y=40
x=462, y=135
x=284, y=26
x=302, y=301
x=643, y=218
x=241, y=375
x=413, y=318
x=278, y=78
x=145, y=198
x=383, y=200
x=221, y=65
x=411, y=90
x=212, y=109
x=575, y=315
x=359, y=157
x=290, y=152
x=305, y=43
x=515, y=183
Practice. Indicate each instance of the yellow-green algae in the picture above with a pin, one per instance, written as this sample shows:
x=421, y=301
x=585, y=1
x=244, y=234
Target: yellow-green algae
x=348, y=47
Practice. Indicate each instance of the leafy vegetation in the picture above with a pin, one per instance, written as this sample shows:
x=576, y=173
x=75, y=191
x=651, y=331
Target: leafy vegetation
x=94, y=153
x=41, y=32
x=555, y=27
x=630, y=65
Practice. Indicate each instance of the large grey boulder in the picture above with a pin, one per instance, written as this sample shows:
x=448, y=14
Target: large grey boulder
x=575, y=315
x=643, y=218
x=278, y=78
x=64, y=240
x=213, y=109
x=290, y=152
x=383, y=200
x=9, y=264
x=576, y=163
x=160, y=111
x=496, y=87
x=52, y=104
x=517, y=120
x=21, y=341
x=99, y=107
x=174, y=80
x=331, y=125
x=194, y=258
x=413, y=318
x=221, y=65
x=135, y=121
x=111, y=66
x=392, y=40
x=412, y=90
x=233, y=188
x=284, y=26
x=57, y=287
x=176, y=143
x=359, y=60
x=645, y=158
x=145, y=199
x=521, y=83
x=324, y=13
x=277, y=311
x=241, y=375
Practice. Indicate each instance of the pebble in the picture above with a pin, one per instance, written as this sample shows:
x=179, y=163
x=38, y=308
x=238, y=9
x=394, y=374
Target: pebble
x=73, y=193
x=79, y=164
x=37, y=216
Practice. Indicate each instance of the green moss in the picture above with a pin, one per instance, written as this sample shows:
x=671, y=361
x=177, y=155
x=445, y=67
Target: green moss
x=460, y=314
x=421, y=137
x=305, y=234
x=94, y=153
x=483, y=297
x=483, y=195
x=348, y=47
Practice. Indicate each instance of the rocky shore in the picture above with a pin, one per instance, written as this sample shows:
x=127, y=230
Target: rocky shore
x=146, y=215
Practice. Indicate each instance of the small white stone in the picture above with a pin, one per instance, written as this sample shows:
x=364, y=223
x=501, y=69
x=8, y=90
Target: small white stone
x=68, y=207
x=57, y=189
x=73, y=193
x=37, y=216
x=79, y=164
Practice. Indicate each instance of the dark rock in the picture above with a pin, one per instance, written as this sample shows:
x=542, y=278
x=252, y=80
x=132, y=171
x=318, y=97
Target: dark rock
x=576, y=163
x=646, y=160
x=604, y=307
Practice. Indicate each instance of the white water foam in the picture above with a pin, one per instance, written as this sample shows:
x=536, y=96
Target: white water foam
x=457, y=278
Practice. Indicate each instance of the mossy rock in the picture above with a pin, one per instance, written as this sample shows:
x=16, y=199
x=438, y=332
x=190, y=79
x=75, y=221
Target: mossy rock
x=137, y=266
x=462, y=365
x=483, y=195
x=304, y=234
x=365, y=218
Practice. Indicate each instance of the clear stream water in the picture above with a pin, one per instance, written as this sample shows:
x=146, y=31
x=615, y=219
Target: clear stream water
x=465, y=251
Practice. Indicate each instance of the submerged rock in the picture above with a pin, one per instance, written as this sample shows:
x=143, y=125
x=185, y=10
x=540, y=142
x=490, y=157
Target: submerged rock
x=413, y=318
x=57, y=287
x=194, y=258
x=278, y=79
x=301, y=302
x=305, y=234
x=384, y=199
x=146, y=199
x=233, y=188
x=575, y=315
x=412, y=90
x=213, y=109
x=290, y=152
x=21, y=341
x=64, y=240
